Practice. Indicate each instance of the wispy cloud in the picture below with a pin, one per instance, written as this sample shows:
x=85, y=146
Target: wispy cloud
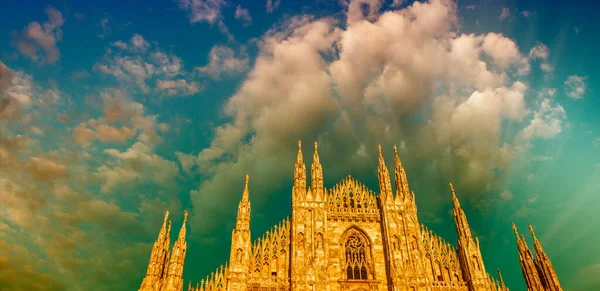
x=504, y=14
x=575, y=86
x=209, y=11
x=243, y=14
x=272, y=5
x=38, y=41
x=223, y=60
x=138, y=64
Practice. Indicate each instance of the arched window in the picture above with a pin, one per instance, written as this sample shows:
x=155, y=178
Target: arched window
x=356, y=260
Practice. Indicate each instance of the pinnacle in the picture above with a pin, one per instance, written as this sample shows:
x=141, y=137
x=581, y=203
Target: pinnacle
x=531, y=230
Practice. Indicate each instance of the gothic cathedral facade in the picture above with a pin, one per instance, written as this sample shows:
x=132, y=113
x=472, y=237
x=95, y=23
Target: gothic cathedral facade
x=347, y=238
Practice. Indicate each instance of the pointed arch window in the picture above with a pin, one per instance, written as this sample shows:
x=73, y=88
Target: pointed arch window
x=356, y=257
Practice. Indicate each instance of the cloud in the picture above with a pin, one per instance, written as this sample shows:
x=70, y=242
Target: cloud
x=506, y=195
x=541, y=52
x=505, y=53
x=471, y=7
x=16, y=93
x=575, y=86
x=179, y=87
x=548, y=121
x=137, y=163
x=137, y=62
x=225, y=61
x=52, y=199
x=80, y=74
x=525, y=13
x=587, y=277
x=38, y=41
x=369, y=82
x=203, y=10
x=243, y=14
x=209, y=11
x=363, y=9
x=505, y=14
x=272, y=5
x=105, y=30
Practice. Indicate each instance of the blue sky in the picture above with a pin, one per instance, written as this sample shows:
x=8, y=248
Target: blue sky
x=113, y=112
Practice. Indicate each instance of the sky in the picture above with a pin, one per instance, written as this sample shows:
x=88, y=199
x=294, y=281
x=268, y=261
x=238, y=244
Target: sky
x=113, y=112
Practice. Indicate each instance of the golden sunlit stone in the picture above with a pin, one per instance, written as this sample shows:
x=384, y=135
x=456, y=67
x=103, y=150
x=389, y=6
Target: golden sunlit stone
x=347, y=238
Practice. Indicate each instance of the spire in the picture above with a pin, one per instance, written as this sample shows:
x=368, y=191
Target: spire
x=299, y=158
x=174, y=277
x=245, y=193
x=402, y=190
x=454, y=198
x=158, y=258
x=462, y=225
x=547, y=273
x=536, y=244
x=468, y=249
x=502, y=285
x=383, y=175
x=241, y=246
x=530, y=272
x=317, y=170
x=243, y=217
x=182, y=232
x=299, y=189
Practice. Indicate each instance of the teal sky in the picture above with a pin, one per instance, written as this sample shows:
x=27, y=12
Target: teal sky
x=113, y=112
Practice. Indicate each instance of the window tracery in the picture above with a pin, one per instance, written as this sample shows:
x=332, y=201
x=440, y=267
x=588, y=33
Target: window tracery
x=356, y=258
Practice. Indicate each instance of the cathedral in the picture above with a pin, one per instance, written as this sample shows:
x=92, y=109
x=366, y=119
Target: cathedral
x=347, y=238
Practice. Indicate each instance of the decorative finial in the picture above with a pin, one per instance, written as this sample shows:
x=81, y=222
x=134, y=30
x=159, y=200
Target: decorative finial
x=395, y=149
x=379, y=149
x=166, y=216
x=185, y=216
x=299, y=144
x=531, y=230
x=316, y=146
x=514, y=227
